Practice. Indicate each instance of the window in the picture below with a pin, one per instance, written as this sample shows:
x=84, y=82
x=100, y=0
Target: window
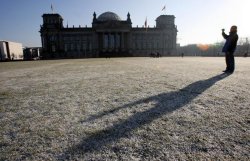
x=78, y=47
x=53, y=48
x=65, y=47
x=84, y=46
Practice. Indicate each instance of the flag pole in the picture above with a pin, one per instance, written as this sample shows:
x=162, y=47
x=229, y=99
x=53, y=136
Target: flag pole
x=52, y=8
x=164, y=9
x=146, y=23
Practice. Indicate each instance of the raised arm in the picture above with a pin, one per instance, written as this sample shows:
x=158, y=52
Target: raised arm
x=224, y=35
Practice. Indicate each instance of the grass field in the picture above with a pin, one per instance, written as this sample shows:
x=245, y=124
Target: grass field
x=125, y=109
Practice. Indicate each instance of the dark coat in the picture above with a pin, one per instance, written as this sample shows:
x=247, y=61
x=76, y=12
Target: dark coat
x=231, y=42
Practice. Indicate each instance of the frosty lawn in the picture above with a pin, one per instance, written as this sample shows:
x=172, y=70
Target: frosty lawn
x=125, y=109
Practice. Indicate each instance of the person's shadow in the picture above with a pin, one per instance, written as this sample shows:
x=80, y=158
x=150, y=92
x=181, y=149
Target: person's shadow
x=165, y=103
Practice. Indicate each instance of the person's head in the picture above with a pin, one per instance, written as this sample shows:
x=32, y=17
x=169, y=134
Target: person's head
x=233, y=29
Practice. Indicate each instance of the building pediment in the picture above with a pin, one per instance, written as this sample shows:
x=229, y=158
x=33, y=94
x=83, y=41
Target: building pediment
x=112, y=25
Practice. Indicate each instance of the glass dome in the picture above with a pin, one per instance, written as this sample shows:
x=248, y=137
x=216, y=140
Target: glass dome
x=109, y=16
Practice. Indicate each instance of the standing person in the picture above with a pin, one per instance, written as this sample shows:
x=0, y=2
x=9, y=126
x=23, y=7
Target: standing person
x=229, y=48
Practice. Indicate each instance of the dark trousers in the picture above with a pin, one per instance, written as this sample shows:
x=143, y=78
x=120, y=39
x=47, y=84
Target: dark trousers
x=229, y=61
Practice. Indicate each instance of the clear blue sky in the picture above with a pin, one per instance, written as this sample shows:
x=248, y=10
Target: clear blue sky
x=198, y=21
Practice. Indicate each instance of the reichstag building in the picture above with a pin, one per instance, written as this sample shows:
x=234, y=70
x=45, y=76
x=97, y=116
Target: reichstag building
x=109, y=36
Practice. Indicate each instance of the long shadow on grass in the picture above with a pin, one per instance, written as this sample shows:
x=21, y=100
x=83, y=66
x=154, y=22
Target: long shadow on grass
x=165, y=103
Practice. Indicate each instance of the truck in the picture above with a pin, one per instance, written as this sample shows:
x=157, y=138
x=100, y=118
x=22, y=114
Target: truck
x=10, y=51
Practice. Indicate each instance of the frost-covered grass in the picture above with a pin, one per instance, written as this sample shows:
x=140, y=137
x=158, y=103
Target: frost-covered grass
x=125, y=109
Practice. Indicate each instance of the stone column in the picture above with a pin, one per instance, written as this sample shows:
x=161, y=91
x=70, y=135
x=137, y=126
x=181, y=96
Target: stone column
x=115, y=37
x=103, y=41
x=122, y=40
x=118, y=41
x=109, y=42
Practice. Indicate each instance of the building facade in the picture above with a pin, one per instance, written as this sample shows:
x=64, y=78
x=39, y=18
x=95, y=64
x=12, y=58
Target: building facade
x=108, y=36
